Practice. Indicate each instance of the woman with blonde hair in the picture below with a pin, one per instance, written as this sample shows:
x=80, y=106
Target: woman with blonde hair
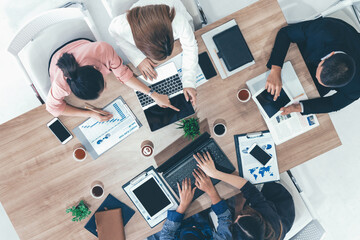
x=146, y=34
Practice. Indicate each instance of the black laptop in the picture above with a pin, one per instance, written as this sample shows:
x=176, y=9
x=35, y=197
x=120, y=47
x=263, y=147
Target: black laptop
x=182, y=164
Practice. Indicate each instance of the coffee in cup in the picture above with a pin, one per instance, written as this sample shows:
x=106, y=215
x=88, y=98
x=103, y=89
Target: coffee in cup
x=79, y=153
x=147, y=148
x=219, y=128
x=97, y=189
x=243, y=95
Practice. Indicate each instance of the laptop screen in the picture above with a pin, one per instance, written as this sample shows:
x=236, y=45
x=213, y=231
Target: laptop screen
x=159, y=117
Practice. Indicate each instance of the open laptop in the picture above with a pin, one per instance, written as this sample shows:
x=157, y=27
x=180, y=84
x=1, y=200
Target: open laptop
x=182, y=164
x=169, y=83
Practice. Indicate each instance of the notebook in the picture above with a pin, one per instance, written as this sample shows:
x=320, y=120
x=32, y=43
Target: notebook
x=110, y=203
x=232, y=48
x=109, y=225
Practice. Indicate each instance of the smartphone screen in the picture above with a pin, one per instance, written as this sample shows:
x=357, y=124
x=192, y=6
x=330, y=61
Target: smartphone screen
x=260, y=155
x=206, y=65
x=59, y=130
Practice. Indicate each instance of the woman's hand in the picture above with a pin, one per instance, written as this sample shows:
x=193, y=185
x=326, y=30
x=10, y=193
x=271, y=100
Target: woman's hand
x=190, y=94
x=146, y=68
x=203, y=182
x=186, y=195
x=102, y=116
x=163, y=101
x=206, y=164
x=273, y=84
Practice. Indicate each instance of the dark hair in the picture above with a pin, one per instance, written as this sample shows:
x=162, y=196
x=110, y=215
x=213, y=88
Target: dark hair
x=253, y=226
x=338, y=70
x=190, y=233
x=152, y=30
x=85, y=82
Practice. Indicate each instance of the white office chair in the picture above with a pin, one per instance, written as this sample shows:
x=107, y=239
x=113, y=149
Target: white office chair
x=117, y=7
x=302, y=10
x=34, y=43
x=306, y=226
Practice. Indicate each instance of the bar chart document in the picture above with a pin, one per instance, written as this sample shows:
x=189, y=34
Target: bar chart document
x=98, y=137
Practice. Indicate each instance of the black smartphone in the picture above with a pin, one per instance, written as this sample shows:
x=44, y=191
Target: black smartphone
x=206, y=65
x=259, y=154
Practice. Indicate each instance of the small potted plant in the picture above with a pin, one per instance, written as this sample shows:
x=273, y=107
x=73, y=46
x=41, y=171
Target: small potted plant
x=191, y=127
x=80, y=211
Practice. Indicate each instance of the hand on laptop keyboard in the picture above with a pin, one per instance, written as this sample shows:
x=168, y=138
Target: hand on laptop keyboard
x=206, y=163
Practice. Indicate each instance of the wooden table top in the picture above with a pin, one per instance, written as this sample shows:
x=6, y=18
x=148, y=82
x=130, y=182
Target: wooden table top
x=39, y=179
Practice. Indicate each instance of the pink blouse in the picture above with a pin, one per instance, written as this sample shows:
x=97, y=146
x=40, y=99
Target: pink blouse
x=101, y=55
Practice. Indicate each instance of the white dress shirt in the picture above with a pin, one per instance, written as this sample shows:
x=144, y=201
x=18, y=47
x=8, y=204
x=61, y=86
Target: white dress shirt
x=120, y=29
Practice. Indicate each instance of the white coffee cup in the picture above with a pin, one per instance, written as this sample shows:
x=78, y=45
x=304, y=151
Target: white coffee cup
x=219, y=128
x=241, y=92
x=97, y=189
x=79, y=153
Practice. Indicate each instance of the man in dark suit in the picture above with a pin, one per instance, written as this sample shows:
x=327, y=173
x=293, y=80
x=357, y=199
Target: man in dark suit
x=331, y=50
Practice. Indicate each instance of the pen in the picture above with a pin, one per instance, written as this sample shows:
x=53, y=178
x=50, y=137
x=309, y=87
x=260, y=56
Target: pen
x=92, y=108
x=220, y=62
x=299, y=96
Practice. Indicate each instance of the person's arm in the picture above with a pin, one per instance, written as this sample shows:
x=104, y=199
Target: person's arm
x=223, y=214
x=249, y=191
x=295, y=33
x=182, y=28
x=174, y=218
x=207, y=165
x=125, y=75
x=203, y=182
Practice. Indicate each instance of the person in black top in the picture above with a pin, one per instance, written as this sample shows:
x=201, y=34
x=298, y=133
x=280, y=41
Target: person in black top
x=270, y=213
x=331, y=50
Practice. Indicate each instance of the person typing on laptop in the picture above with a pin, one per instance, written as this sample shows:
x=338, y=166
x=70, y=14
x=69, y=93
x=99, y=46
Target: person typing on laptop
x=146, y=34
x=79, y=67
x=331, y=50
x=268, y=215
x=197, y=227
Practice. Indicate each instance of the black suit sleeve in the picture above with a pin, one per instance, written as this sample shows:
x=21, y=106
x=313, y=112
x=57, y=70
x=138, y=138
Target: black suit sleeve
x=326, y=104
x=294, y=33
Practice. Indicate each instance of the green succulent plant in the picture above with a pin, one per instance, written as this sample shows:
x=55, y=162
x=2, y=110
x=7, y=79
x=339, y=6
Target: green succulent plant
x=79, y=212
x=191, y=127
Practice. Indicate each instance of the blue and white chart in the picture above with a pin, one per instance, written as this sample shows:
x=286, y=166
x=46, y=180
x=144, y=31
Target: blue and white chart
x=101, y=136
x=252, y=170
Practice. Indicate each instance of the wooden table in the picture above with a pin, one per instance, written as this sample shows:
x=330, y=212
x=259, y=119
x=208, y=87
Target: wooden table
x=39, y=179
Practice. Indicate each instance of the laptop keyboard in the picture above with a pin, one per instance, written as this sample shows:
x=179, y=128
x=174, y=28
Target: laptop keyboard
x=167, y=86
x=185, y=169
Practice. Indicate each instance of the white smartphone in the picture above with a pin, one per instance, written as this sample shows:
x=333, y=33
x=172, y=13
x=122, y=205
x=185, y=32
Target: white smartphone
x=59, y=130
x=259, y=154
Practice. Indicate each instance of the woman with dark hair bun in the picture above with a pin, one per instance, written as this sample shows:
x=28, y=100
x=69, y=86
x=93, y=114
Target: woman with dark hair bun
x=79, y=67
x=146, y=34
x=269, y=214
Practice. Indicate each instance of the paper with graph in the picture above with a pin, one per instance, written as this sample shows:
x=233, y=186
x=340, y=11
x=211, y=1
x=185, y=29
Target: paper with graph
x=101, y=136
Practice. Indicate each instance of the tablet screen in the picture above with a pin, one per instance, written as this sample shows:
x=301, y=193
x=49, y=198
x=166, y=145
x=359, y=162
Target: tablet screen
x=270, y=106
x=151, y=197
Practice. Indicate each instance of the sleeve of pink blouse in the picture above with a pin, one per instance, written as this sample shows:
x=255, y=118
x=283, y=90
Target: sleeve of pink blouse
x=55, y=103
x=115, y=63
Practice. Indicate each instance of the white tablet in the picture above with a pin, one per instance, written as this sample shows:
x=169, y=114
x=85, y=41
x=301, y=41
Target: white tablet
x=268, y=106
x=151, y=196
